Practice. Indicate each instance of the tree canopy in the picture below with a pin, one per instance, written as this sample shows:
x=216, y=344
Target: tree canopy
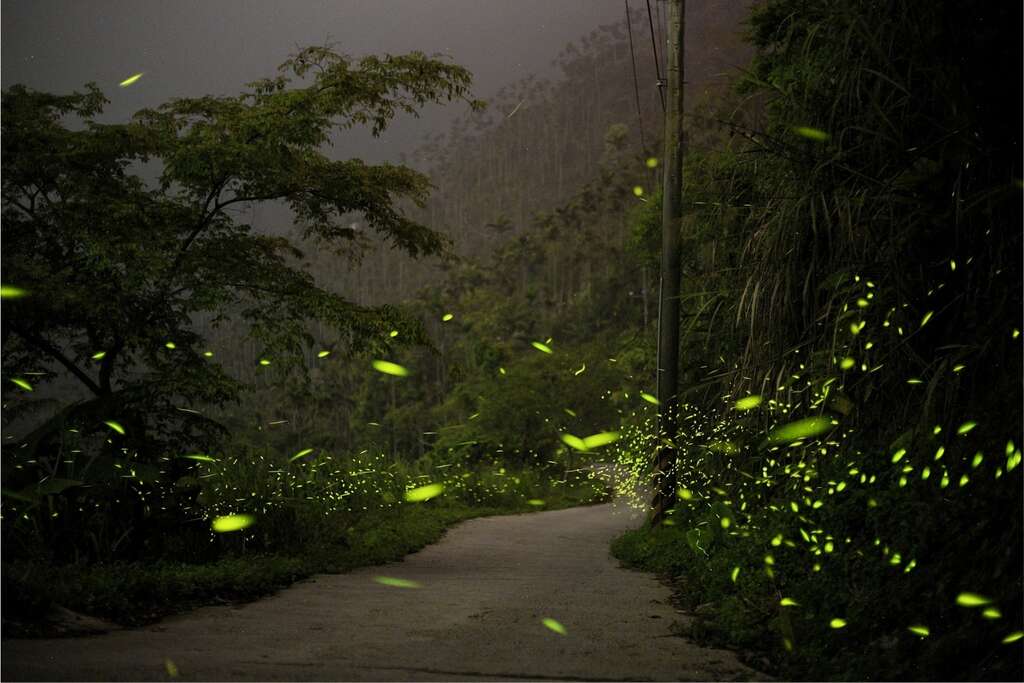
x=113, y=267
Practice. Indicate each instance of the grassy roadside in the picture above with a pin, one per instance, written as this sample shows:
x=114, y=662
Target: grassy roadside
x=139, y=593
x=740, y=610
x=723, y=617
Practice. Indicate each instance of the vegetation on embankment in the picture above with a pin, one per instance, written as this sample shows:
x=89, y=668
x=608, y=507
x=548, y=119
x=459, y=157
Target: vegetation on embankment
x=134, y=593
x=849, y=481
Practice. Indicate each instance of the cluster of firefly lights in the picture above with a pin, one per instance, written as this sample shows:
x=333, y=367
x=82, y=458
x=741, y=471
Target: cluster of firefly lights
x=812, y=438
x=794, y=457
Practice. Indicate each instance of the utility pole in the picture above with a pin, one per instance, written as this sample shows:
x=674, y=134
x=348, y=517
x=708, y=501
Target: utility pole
x=668, y=310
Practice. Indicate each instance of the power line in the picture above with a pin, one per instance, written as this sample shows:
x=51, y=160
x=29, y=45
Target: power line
x=659, y=22
x=657, y=63
x=636, y=85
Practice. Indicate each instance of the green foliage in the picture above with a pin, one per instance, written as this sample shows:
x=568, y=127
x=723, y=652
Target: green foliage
x=138, y=593
x=118, y=270
x=482, y=388
x=314, y=514
x=847, y=267
x=834, y=234
x=300, y=501
x=117, y=265
x=645, y=238
x=523, y=409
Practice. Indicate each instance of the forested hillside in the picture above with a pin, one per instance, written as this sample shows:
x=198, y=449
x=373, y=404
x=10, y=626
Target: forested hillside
x=535, y=203
x=540, y=141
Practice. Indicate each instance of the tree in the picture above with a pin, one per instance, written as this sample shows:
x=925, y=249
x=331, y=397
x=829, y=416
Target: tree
x=116, y=268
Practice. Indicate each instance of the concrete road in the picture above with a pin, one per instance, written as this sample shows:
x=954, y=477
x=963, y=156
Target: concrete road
x=477, y=615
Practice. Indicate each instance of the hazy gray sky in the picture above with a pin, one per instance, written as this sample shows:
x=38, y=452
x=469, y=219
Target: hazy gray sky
x=198, y=47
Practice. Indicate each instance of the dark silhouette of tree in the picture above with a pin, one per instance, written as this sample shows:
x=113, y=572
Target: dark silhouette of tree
x=116, y=268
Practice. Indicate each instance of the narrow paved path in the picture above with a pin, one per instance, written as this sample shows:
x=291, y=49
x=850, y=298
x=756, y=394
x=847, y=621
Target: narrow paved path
x=486, y=586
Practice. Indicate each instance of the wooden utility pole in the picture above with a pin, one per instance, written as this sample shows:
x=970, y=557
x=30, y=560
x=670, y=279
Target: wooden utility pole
x=668, y=315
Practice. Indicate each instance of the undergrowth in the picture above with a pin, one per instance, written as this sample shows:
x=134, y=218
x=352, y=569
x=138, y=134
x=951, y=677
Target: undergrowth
x=849, y=481
x=280, y=548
